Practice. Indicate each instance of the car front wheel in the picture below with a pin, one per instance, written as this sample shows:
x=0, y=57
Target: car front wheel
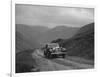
x=63, y=56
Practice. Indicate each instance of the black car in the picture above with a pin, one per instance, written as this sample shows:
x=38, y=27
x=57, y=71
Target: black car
x=52, y=50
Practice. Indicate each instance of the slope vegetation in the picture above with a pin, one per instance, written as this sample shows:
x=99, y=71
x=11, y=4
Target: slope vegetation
x=58, y=32
x=81, y=44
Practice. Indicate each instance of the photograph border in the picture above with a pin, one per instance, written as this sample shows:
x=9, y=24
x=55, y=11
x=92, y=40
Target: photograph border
x=13, y=36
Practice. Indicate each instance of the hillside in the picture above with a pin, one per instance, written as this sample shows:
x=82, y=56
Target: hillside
x=89, y=28
x=58, y=32
x=44, y=34
x=31, y=32
x=22, y=43
x=27, y=36
x=82, y=44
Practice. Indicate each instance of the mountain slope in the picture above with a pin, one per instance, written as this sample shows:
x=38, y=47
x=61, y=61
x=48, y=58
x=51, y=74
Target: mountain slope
x=82, y=44
x=58, y=32
x=22, y=43
x=27, y=36
x=44, y=34
x=89, y=28
x=31, y=32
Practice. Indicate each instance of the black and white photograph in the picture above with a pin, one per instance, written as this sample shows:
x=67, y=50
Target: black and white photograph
x=53, y=38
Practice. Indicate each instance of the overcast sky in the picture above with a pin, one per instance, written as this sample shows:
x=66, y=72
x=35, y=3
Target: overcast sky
x=52, y=16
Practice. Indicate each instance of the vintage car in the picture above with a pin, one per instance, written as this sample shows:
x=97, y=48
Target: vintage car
x=52, y=50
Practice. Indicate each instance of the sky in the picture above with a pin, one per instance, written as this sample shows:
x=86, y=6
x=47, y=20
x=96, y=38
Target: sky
x=51, y=16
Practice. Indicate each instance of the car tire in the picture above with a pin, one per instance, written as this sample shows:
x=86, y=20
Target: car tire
x=63, y=56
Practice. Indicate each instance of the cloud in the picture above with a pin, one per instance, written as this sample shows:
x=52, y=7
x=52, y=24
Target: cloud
x=53, y=16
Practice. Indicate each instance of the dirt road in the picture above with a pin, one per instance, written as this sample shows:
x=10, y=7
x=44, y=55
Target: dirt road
x=44, y=64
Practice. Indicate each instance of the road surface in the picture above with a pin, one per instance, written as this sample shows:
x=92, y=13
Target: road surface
x=44, y=64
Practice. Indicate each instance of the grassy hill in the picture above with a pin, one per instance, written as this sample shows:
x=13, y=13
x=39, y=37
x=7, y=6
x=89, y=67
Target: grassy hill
x=32, y=33
x=43, y=34
x=58, y=32
x=23, y=43
x=27, y=36
x=81, y=44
